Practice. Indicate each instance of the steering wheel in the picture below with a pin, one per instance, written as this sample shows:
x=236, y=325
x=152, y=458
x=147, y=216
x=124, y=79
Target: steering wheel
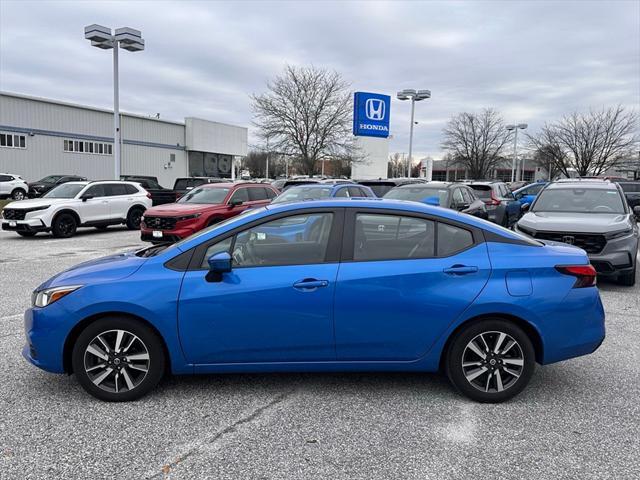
x=603, y=208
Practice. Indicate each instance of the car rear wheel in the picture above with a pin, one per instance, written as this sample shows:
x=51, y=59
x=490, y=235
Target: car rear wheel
x=134, y=218
x=118, y=359
x=490, y=361
x=18, y=194
x=64, y=226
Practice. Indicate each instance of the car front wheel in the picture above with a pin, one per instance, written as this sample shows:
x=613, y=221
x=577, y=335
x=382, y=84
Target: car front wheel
x=490, y=361
x=118, y=359
x=64, y=226
x=134, y=218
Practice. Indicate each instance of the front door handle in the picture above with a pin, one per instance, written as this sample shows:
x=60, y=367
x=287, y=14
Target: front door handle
x=460, y=270
x=310, y=284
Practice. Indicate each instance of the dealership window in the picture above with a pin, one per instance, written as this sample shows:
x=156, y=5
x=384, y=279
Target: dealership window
x=205, y=164
x=79, y=146
x=10, y=140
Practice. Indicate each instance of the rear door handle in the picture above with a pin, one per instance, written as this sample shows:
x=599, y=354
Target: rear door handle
x=460, y=270
x=309, y=284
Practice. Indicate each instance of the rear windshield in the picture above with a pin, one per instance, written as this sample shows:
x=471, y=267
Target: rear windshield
x=66, y=190
x=205, y=195
x=185, y=183
x=482, y=191
x=380, y=189
x=630, y=187
x=298, y=194
x=419, y=194
x=579, y=200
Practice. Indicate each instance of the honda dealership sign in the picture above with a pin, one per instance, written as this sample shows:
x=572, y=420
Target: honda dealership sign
x=371, y=114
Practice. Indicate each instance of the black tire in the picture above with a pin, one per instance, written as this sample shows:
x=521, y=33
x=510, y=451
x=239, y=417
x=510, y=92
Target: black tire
x=495, y=371
x=142, y=382
x=18, y=194
x=64, y=225
x=628, y=279
x=133, y=218
x=27, y=234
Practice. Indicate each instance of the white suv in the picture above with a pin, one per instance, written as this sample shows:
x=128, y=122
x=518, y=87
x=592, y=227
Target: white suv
x=78, y=204
x=13, y=186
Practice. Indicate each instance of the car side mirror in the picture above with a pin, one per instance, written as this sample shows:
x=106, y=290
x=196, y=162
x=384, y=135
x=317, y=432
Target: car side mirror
x=86, y=197
x=219, y=263
x=235, y=203
x=525, y=207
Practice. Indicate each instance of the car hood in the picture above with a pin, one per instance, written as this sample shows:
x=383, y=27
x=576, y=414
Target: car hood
x=173, y=209
x=574, y=222
x=39, y=185
x=112, y=267
x=36, y=202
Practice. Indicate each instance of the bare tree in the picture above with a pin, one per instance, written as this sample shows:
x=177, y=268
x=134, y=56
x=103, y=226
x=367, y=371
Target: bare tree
x=476, y=141
x=589, y=143
x=306, y=113
x=396, y=166
x=256, y=163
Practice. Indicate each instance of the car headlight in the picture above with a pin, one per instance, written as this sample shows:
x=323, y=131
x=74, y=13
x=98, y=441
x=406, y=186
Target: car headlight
x=619, y=233
x=48, y=296
x=35, y=209
x=188, y=217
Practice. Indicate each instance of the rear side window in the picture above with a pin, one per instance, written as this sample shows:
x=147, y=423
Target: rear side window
x=115, y=189
x=5, y=178
x=356, y=192
x=630, y=187
x=452, y=239
x=393, y=237
x=130, y=189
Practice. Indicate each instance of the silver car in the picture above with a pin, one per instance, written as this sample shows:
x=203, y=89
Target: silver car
x=593, y=215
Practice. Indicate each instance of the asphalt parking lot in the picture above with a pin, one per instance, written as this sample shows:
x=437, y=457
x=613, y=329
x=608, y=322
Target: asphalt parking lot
x=577, y=419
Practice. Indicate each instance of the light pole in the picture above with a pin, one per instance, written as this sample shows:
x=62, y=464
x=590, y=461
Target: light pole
x=129, y=39
x=519, y=126
x=414, y=96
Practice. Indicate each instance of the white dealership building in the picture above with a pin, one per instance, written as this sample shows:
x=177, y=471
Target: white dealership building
x=40, y=137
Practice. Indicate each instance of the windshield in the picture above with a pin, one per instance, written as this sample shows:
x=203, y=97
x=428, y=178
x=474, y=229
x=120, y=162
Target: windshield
x=418, y=194
x=579, y=200
x=186, y=183
x=298, y=194
x=205, y=195
x=66, y=190
x=50, y=179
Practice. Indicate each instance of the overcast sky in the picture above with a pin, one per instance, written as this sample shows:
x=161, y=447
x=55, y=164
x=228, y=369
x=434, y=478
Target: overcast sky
x=532, y=60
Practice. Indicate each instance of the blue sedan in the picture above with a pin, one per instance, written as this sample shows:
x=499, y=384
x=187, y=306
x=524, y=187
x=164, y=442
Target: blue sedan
x=361, y=285
x=321, y=191
x=528, y=193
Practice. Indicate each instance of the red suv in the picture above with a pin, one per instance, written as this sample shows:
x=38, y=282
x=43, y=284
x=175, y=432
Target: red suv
x=201, y=207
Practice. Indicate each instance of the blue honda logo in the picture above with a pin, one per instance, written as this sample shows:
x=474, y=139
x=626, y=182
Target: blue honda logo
x=371, y=114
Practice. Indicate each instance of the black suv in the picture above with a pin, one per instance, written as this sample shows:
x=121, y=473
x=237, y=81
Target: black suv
x=185, y=184
x=502, y=206
x=42, y=186
x=159, y=194
x=383, y=185
x=443, y=194
x=631, y=191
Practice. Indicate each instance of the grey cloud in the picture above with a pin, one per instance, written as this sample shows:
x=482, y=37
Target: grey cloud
x=533, y=61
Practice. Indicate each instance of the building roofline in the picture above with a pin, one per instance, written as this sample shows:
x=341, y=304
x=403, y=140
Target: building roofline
x=87, y=107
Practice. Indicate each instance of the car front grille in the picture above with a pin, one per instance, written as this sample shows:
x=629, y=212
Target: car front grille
x=589, y=242
x=160, y=223
x=14, y=214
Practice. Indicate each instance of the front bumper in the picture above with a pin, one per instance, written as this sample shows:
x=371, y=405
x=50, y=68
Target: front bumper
x=45, y=338
x=31, y=225
x=175, y=235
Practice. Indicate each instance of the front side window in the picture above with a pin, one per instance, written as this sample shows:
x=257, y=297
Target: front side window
x=66, y=190
x=393, y=237
x=222, y=246
x=239, y=195
x=257, y=194
x=205, y=195
x=294, y=240
x=579, y=200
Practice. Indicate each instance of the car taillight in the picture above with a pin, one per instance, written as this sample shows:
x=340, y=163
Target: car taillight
x=585, y=274
x=148, y=195
x=493, y=200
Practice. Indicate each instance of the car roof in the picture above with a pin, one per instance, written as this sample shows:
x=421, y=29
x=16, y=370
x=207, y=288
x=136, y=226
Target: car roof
x=582, y=183
x=431, y=184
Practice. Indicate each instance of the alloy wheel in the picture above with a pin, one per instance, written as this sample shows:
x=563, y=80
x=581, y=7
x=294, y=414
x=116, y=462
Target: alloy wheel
x=19, y=195
x=116, y=361
x=492, y=361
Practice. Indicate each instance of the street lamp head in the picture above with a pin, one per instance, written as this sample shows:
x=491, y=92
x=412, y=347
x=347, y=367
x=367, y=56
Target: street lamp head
x=402, y=96
x=510, y=127
x=133, y=47
x=522, y=126
x=97, y=33
x=128, y=35
x=409, y=92
x=103, y=45
x=422, y=94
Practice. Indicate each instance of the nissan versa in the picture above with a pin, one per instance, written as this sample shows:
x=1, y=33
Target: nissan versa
x=341, y=285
